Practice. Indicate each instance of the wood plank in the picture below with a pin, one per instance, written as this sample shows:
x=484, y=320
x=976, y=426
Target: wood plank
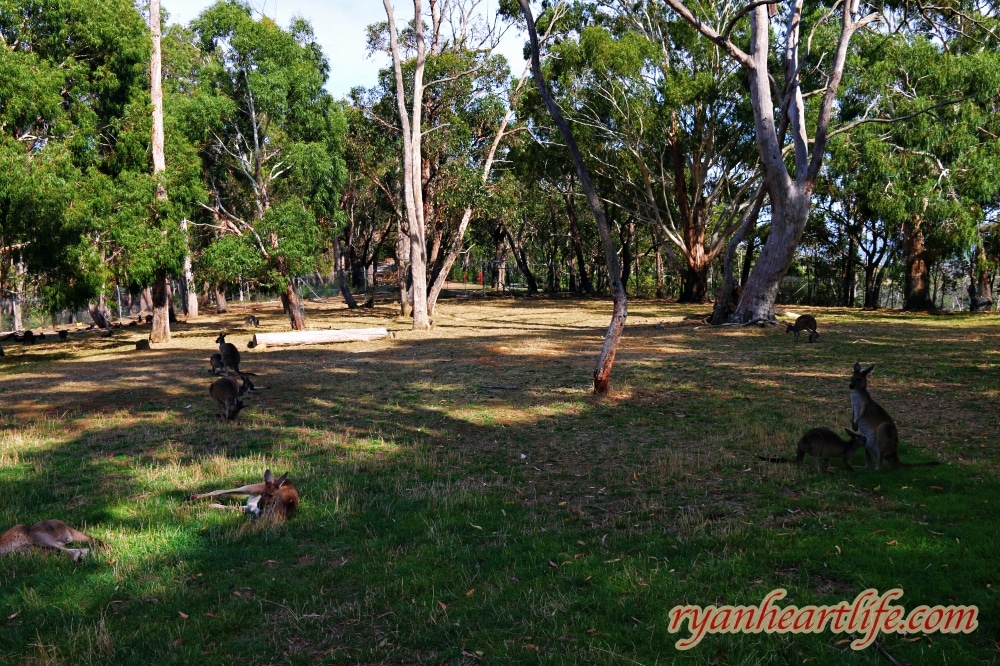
x=317, y=337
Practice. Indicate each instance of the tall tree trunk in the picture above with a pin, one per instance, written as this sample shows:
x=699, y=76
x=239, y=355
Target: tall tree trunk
x=605, y=362
x=441, y=276
x=517, y=249
x=403, y=269
x=790, y=197
x=15, y=296
x=412, y=163
x=916, y=276
x=221, y=304
x=338, y=266
x=574, y=234
x=291, y=303
x=728, y=296
x=160, y=331
x=189, y=291
x=100, y=313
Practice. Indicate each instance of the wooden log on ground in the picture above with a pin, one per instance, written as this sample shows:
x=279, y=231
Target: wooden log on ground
x=317, y=337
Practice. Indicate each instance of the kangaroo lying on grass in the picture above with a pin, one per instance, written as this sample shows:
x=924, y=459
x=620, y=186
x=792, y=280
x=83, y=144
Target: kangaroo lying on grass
x=803, y=323
x=826, y=444
x=53, y=534
x=274, y=498
x=875, y=424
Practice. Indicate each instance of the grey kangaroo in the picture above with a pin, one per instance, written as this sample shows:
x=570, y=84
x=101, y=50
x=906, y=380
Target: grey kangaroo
x=226, y=392
x=875, y=424
x=218, y=367
x=826, y=444
x=52, y=534
x=229, y=353
x=803, y=323
x=274, y=498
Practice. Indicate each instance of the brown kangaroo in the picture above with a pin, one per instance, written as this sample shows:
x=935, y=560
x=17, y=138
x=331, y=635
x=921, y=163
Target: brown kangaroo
x=226, y=392
x=230, y=354
x=875, y=424
x=826, y=444
x=274, y=498
x=803, y=323
x=53, y=534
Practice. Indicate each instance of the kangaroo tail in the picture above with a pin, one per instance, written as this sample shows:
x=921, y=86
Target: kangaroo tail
x=776, y=459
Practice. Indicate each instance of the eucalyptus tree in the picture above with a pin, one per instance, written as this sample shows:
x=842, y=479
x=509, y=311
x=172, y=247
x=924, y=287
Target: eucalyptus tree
x=606, y=359
x=452, y=101
x=674, y=129
x=808, y=44
x=77, y=195
x=926, y=155
x=273, y=160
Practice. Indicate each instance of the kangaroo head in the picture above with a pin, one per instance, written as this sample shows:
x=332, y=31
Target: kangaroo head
x=221, y=339
x=859, y=380
x=272, y=501
x=789, y=328
x=856, y=439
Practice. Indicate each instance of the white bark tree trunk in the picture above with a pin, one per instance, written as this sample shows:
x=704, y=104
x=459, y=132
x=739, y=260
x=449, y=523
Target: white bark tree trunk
x=160, y=331
x=412, y=160
x=790, y=198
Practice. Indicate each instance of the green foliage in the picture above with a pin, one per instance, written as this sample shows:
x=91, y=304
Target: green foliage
x=270, y=140
x=78, y=206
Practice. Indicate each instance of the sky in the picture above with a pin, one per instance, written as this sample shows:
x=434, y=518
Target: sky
x=339, y=26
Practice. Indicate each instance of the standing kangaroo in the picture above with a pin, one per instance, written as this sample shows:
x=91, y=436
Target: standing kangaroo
x=53, y=534
x=274, y=498
x=826, y=444
x=230, y=354
x=803, y=323
x=226, y=392
x=875, y=424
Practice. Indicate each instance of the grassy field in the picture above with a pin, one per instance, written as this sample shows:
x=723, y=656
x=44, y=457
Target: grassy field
x=466, y=499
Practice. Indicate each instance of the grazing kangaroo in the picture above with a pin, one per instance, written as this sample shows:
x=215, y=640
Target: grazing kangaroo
x=53, y=534
x=875, y=424
x=803, y=323
x=251, y=320
x=826, y=444
x=226, y=393
x=230, y=354
x=274, y=498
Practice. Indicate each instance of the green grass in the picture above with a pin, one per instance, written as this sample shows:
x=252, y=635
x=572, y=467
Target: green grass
x=466, y=499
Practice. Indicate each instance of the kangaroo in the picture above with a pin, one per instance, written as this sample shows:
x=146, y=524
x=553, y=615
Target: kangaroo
x=274, y=498
x=875, y=424
x=53, y=534
x=251, y=320
x=142, y=345
x=226, y=392
x=218, y=367
x=230, y=354
x=826, y=444
x=803, y=323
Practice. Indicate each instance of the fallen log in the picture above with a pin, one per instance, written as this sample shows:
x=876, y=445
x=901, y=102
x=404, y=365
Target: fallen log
x=317, y=337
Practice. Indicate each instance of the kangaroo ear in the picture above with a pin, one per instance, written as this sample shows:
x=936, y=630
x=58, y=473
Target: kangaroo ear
x=281, y=480
x=268, y=477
